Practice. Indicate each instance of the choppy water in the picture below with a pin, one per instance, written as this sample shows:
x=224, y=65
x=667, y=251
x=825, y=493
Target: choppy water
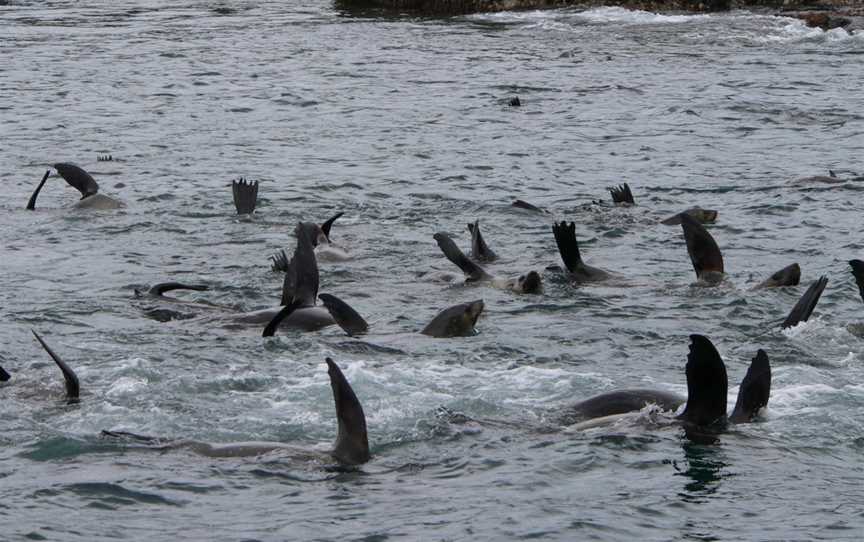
x=403, y=125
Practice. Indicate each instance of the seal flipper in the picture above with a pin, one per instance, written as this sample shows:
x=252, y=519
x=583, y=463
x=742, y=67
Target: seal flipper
x=245, y=195
x=479, y=249
x=707, y=384
x=858, y=273
x=279, y=262
x=78, y=179
x=130, y=436
x=568, y=247
x=348, y=319
x=804, y=307
x=352, y=443
x=4, y=376
x=31, y=205
x=622, y=194
x=325, y=227
x=702, y=248
x=301, y=278
x=452, y=252
x=273, y=325
x=162, y=287
x=72, y=387
x=754, y=391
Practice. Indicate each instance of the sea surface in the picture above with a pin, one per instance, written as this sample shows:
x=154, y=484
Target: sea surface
x=404, y=125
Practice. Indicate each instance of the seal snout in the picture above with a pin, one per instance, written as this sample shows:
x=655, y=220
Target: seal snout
x=531, y=282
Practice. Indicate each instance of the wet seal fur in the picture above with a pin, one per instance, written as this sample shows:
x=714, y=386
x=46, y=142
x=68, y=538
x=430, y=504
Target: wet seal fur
x=83, y=182
x=529, y=283
x=456, y=321
x=707, y=387
x=568, y=248
x=788, y=276
x=350, y=448
x=703, y=216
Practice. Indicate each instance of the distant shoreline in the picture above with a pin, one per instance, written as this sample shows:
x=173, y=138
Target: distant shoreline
x=824, y=14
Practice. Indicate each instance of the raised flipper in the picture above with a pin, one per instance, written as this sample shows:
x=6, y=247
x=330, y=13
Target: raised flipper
x=622, y=194
x=754, y=391
x=325, y=227
x=245, y=195
x=72, y=387
x=352, y=443
x=78, y=179
x=858, y=273
x=568, y=247
x=703, y=250
x=473, y=271
x=162, y=287
x=804, y=308
x=273, y=325
x=279, y=262
x=301, y=278
x=707, y=384
x=4, y=376
x=788, y=276
x=31, y=205
x=347, y=318
x=479, y=249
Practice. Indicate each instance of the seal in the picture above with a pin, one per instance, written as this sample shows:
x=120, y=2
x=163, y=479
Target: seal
x=707, y=387
x=325, y=249
x=299, y=289
x=73, y=388
x=4, y=376
x=703, y=216
x=804, y=307
x=522, y=204
x=456, y=321
x=351, y=446
x=529, y=283
x=703, y=250
x=788, y=276
x=84, y=183
x=568, y=247
x=345, y=316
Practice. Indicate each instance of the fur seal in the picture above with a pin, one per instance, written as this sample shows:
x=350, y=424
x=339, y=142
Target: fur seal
x=345, y=316
x=456, y=321
x=703, y=216
x=4, y=376
x=621, y=195
x=703, y=250
x=788, y=276
x=325, y=249
x=83, y=182
x=245, y=195
x=707, y=387
x=804, y=307
x=521, y=204
x=529, y=283
x=351, y=446
x=568, y=247
x=479, y=250
x=73, y=388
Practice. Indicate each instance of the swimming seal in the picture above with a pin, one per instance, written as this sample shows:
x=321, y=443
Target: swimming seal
x=521, y=204
x=245, y=195
x=568, y=247
x=351, y=446
x=788, y=276
x=703, y=251
x=73, y=388
x=456, y=321
x=804, y=307
x=529, y=283
x=83, y=182
x=479, y=250
x=325, y=249
x=345, y=316
x=707, y=386
x=703, y=216
x=858, y=272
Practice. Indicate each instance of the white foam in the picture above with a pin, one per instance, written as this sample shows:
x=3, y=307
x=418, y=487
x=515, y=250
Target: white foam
x=795, y=30
x=627, y=16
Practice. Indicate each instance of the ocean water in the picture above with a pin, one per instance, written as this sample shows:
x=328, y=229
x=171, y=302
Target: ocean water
x=403, y=124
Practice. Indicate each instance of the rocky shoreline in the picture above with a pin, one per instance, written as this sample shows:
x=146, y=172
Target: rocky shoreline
x=825, y=14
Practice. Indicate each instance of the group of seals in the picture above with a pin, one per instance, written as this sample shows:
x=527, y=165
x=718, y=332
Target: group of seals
x=707, y=382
